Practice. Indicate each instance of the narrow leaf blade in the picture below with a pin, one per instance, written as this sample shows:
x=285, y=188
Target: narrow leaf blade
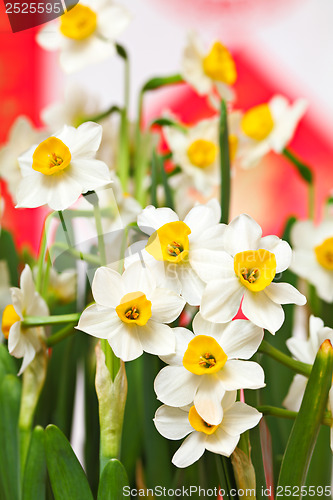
x=113, y=481
x=34, y=482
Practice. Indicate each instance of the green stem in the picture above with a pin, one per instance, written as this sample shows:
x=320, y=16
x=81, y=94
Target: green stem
x=30, y=321
x=64, y=228
x=139, y=171
x=100, y=116
x=100, y=236
x=273, y=411
x=124, y=154
x=224, y=163
x=284, y=359
x=42, y=251
x=92, y=259
x=60, y=335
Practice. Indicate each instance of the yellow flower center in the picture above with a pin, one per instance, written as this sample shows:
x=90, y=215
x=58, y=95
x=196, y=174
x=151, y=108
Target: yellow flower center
x=170, y=242
x=199, y=424
x=9, y=317
x=258, y=122
x=51, y=156
x=202, y=153
x=233, y=145
x=135, y=308
x=255, y=268
x=204, y=355
x=324, y=254
x=78, y=23
x=219, y=65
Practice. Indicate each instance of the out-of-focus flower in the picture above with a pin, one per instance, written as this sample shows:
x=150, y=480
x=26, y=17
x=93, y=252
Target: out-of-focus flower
x=174, y=246
x=24, y=342
x=269, y=127
x=176, y=423
x=206, y=365
x=313, y=255
x=21, y=137
x=62, y=286
x=306, y=351
x=62, y=167
x=131, y=312
x=244, y=273
x=206, y=71
x=196, y=150
x=85, y=34
x=5, y=295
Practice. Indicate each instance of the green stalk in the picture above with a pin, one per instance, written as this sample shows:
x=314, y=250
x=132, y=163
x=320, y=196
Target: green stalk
x=100, y=116
x=42, y=252
x=60, y=335
x=30, y=321
x=224, y=163
x=124, y=154
x=273, y=411
x=293, y=364
x=92, y=259
x=100, y=236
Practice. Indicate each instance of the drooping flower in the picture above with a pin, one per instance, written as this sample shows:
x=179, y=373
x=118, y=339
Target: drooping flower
x=26, y=301
x=85, y=34
x=244, y=274
x=176, y=423
x=313, y=255
x=59, y=169
x=131, y=312
x=205, y=71
x=22, y=136
x=269, y=127
x=206, y=365
x=306, y=351
x=173, y=245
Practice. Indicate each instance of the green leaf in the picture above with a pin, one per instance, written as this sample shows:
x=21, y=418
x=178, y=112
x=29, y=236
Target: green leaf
x=166, y=122
x=34, y=482
x=304, y=171
x=67, y=477
x=154, y=177
x=161, y=81
x=307, y=424
x=113, y=481
x=224, y=163
x=9, y=254
x=167, y=189
x=7, y=363
x=10, y=394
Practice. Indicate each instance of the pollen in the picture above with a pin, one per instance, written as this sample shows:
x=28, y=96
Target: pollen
x=219, y=64
x=134, y=308
x=170, y=242
x=324, y=254
x=9, y=317
x=51, y=156
x=204, y=355
x=258, y=123
x=78, y=23
x=202, y=153
x=256, y=269
x=199, y=424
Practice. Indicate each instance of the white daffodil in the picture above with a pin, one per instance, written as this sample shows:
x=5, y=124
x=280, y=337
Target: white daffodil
x=205, y=71
x=59, y=169
x=85, y=34
x=22, y=136
x=306, y=351
x=131, y=312
x=24, y=342
x=313, y=255
x=205, y=366
x=173, y=245
x=244, y=273
x=62, y=285
x=269, y=127
x=196, y=150
x=176, y=423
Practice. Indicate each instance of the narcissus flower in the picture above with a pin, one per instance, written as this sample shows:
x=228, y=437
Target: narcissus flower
x=131, y=312
x=245, y=270
x=306, y=351
x=85, y=34
x=176, y=423
x=313, y=255
x=269, y=127
x=205, y=71
x=59, y=169
x=205, y=366
x=24, y=342
x=173, y=245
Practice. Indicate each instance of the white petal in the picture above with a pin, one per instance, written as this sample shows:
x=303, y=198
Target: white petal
x=112, y=21
x=315, y=325
x=192, y=285
x=14, y=338
x=262, y=311
x=29, y=355
x=172, y=423
x=166, y=305
x=100, y=322
x=301, y=350
x=26, y=282
x=139, y=278
x=281, y=249
x=152, y=218
x=32, y=192
x=228, y=399
x=222, y=443
x=49, y=37
x=176, y=139
x=157, y=338
x=241, y=339
x=175, y=386
x=242, y=375
x=221, y=300
x=190, y=451
x=85, y=140
x=76, y=55
x=212, y=264
x=293, y=400
x=107, y=287
x=202, y=217
x=126, y=343
x=243, y=233
x=286, y=125
x=90, y=174
x=302, y=235
x=182, y=336
x=284, y=293
x=207, y=400
x=239, y=418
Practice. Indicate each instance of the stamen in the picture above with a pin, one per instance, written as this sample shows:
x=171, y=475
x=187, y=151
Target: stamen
x=132, y=313
x=174, y=249
x=55, y=160
x=250, y=275
x=207, y=424
x=207, y=360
